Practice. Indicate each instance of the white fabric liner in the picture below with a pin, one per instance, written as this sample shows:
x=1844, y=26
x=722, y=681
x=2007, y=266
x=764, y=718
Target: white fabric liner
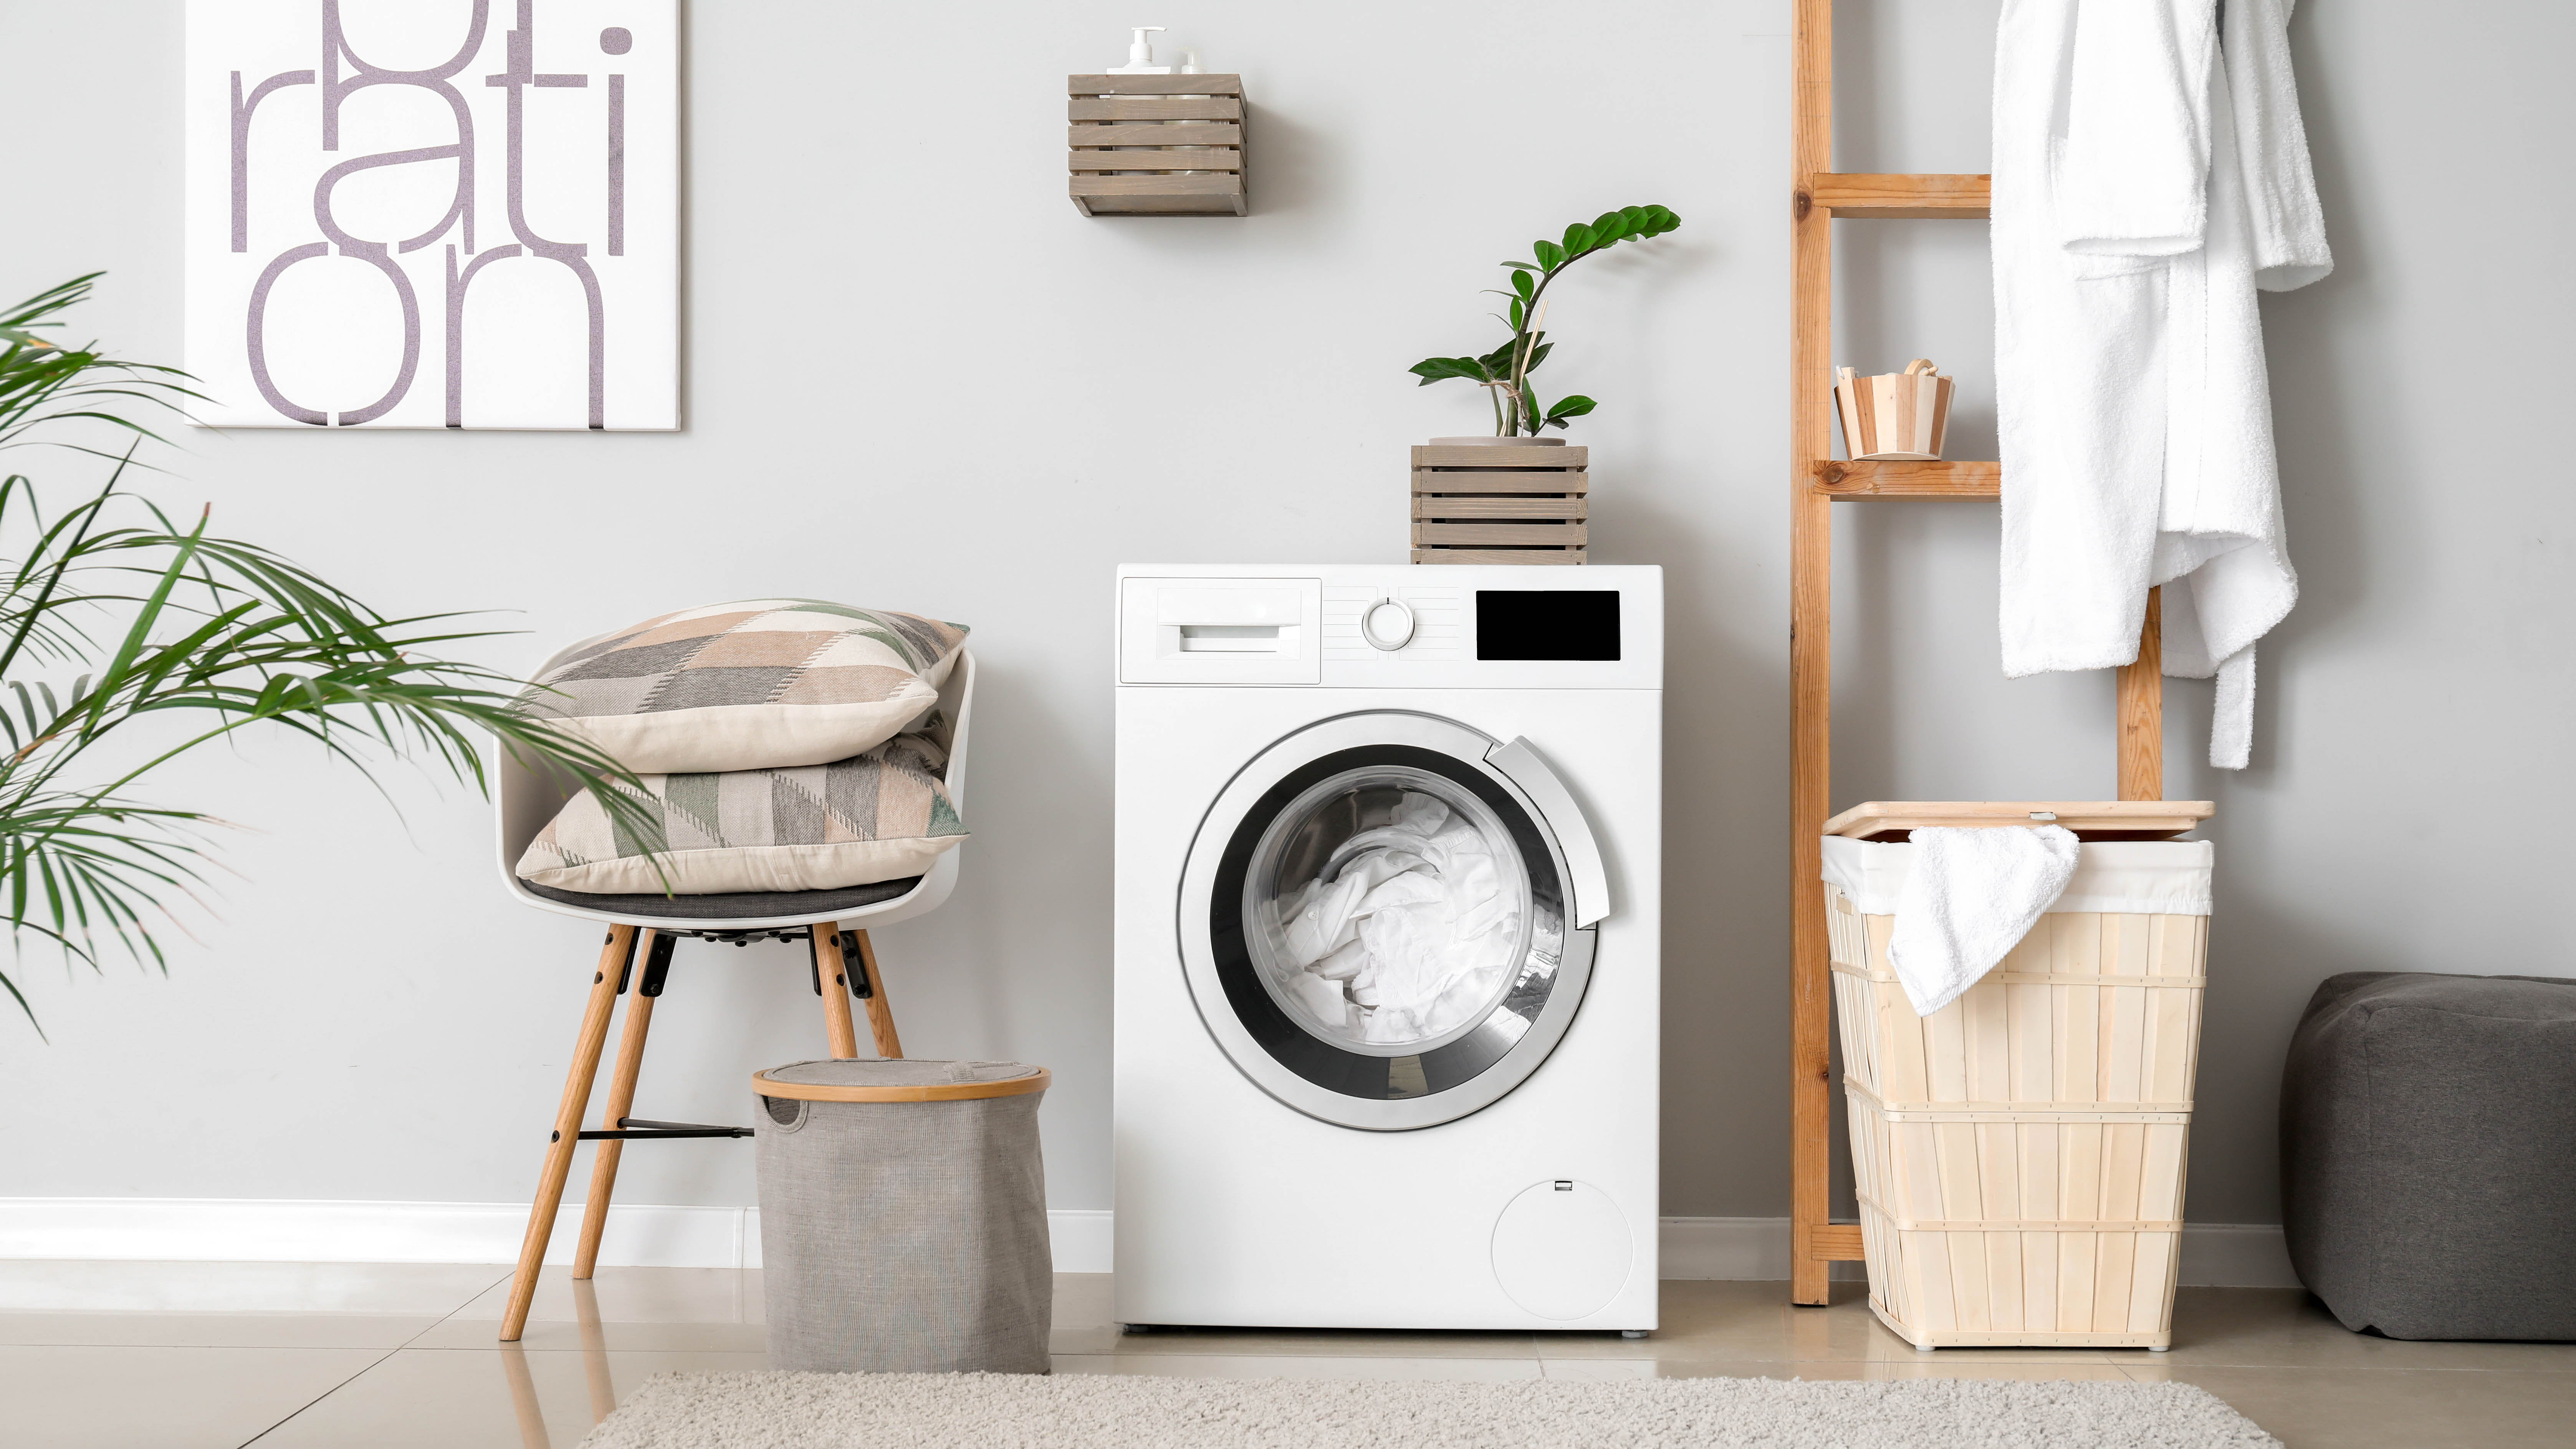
x=2127, y=877
x=1413, y=935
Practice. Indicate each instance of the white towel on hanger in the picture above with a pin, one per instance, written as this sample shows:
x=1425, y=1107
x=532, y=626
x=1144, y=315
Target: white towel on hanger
x=2147, y=179
x=1969, y=898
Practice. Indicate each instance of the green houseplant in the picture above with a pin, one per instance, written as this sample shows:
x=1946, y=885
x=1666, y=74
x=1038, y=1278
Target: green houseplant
x=128, y=640
x=1504, y=372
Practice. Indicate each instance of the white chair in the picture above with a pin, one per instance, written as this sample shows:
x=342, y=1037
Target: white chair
x=644, y=929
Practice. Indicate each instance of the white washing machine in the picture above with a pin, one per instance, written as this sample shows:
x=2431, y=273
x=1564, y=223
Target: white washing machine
x=1389, y=844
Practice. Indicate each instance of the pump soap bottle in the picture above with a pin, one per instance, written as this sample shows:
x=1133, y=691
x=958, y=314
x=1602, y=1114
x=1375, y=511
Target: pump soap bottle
x=1140, y=55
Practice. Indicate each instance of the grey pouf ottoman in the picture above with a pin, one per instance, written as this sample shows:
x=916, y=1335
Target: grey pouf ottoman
x=903, y=1223
x=2428, y=1154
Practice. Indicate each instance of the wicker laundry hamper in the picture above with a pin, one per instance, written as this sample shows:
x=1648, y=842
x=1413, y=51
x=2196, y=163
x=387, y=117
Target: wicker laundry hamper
x=903, y=1223
x=2018, y=1155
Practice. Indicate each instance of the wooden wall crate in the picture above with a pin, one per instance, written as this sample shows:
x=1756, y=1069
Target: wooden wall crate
x=2018, y=1155
x=1157, y=145
x=1507, y=503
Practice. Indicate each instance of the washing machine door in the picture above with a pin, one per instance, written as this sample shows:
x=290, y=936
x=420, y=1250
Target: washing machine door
x=1386, y=918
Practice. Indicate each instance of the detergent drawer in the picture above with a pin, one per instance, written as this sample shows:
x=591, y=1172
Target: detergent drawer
x=1220, y=631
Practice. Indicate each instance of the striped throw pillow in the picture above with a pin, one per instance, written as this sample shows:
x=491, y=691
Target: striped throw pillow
x=754, y=685
x=882, y=814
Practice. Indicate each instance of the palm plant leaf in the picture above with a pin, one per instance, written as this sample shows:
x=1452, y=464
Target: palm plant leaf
x=112, y=614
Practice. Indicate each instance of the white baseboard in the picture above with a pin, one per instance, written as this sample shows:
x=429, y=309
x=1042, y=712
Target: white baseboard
x=640, y=1235
x=2230, y=1255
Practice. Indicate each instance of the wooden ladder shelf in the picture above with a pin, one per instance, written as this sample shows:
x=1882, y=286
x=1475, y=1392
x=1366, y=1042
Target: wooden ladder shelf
x=1818, y=481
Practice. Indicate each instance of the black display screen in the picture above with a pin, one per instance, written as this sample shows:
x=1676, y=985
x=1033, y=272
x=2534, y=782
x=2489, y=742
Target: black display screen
x=1547, y=623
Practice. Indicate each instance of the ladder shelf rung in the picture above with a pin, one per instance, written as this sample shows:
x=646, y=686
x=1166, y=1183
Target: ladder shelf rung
x=1846, y=481
x=1899, y=196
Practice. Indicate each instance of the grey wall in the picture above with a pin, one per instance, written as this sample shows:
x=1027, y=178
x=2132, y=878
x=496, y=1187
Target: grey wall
x=916, y=378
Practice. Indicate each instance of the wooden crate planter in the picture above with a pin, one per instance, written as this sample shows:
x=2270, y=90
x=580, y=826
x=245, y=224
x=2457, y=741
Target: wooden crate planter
x=1501, y=503
x=1195, y=124
x=2019, y=1154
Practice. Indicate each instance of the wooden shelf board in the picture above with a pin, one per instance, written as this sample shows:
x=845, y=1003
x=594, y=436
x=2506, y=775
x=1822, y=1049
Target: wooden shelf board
x=1846, y=481
x=1900, y=197
x=2089, y=819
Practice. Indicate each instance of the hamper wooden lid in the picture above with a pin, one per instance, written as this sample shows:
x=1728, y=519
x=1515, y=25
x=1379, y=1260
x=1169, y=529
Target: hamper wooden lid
x=2089, y=819
x=899, y=1079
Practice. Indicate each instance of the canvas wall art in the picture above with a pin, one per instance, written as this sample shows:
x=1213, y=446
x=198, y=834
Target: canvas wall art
x=434, y=213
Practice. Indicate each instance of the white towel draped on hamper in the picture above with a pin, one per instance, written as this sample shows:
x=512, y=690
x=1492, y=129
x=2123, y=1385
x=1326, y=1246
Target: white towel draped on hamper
x=2148, y=178
x=1971, y=897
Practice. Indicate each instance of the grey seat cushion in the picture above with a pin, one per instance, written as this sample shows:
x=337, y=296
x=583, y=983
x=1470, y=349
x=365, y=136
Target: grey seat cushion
x=2428, y=1154
x=732, y=905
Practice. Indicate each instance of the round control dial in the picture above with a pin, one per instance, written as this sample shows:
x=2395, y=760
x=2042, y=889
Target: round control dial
x=1387, y=624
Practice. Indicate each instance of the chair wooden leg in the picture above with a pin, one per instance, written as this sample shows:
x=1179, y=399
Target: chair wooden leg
x=621, y=1101
x=880, y=1011
x=613, y=960
x=830, y=980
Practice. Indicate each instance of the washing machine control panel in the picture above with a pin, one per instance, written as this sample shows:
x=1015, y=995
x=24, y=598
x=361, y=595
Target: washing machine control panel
x=1449, y=626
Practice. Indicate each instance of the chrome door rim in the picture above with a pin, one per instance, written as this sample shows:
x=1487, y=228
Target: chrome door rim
x=1508, y=1044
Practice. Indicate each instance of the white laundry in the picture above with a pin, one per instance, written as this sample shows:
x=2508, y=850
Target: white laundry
x=1970, y=897
x=1408, y=932
x=2148, y=179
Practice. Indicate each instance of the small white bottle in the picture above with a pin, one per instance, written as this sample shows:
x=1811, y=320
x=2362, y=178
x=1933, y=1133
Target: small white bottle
x=1140, y=55
x=1140, y=61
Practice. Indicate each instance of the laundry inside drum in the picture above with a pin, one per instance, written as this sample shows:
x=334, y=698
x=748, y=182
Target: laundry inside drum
x=1387, y=910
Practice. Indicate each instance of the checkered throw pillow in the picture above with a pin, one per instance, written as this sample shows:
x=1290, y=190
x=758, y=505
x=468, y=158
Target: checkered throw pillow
x=762, y=684
x=880, y=815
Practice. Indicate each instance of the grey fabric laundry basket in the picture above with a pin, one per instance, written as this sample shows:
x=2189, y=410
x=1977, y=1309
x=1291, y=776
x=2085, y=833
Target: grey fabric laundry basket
x=903, y=1222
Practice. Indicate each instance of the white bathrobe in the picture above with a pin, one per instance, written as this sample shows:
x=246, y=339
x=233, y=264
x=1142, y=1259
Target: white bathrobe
x=2147, y=180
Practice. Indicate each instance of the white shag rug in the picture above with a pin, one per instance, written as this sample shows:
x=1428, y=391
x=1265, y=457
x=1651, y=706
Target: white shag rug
x=1118, y=1411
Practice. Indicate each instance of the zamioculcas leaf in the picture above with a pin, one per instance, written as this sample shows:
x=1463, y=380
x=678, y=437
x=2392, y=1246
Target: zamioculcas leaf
x=1578, y=239
x=1609, y=226
x=1522, y=266
x=1537, y=355
x=1441, y=369
x=1522, y=284
x=1516, y=314
x=1573, y=406
x=1549, y=254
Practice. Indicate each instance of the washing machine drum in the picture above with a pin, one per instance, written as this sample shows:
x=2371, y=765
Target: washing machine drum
x=1376, y=919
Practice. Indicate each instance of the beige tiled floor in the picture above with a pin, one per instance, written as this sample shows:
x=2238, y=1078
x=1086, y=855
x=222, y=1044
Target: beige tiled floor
x=180, y=1355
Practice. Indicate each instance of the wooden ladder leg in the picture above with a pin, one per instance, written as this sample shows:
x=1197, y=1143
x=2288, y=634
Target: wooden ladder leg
x=2142, y=709
x=831, y=982
x=654, y=950
x=1811, y=552
x=880, y=1010
x=604, y=983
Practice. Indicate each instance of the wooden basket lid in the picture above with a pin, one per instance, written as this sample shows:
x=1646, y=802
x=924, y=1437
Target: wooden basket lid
x=2089, y=819
x=899, y=1079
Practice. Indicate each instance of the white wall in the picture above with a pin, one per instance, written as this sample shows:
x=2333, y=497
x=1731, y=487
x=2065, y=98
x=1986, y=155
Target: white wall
x=917, y=379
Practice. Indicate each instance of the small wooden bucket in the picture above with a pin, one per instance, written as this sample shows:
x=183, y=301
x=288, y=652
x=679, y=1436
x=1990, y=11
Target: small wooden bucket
x=1895, y=414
